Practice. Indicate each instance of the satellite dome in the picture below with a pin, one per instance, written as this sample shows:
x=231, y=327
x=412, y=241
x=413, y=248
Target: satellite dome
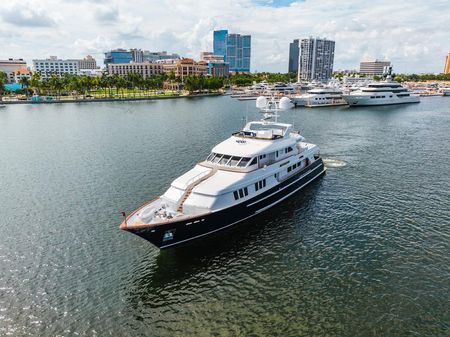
x=261, y=102
x=285, y=103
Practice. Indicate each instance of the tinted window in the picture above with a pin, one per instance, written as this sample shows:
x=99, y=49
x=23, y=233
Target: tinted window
x=254, y=161
x=224, y=159
x=244, y=162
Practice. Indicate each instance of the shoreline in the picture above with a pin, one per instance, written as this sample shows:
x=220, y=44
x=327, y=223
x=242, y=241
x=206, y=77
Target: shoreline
x=125, y=99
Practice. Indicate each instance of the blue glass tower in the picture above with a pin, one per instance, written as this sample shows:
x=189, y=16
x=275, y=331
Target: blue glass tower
x=235, y=48
x=118, y=56
x=220, y=42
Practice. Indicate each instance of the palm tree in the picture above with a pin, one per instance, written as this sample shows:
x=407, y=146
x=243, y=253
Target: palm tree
x=25, y=82
x=3, y=80
x=35, y=83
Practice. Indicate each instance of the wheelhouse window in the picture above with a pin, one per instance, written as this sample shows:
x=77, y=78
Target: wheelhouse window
x=244, y=161
x=254, y=161
x=224, y=160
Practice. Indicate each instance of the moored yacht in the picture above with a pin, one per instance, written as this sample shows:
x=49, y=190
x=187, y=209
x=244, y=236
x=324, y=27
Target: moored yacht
x=320, y=97
x=248, y=173
x=381, y=93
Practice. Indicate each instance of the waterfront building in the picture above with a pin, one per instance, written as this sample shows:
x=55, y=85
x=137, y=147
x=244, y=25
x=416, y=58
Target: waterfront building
x=316, y=59
x=294, y=53
x=144, y=68
x=22, y=73
x=372, y=68
x=87, y=63
x=235, y=48
x=10, y=67
x=185, y=66
x=215, y=64
x=447, y=64
x=158, y=55
x=118, y=56
x=54, y=66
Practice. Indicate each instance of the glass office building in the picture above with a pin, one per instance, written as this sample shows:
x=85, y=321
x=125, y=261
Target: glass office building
x=235, y=48
x=118, y=56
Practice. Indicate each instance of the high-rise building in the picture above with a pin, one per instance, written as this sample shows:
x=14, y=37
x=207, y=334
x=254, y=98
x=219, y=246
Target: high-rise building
x=447, y=64
x=220, y=42
x=316, y=59
x=235, y=48
x=294, y=51
x=10, y=68
x=118, y=56
x=373, y=68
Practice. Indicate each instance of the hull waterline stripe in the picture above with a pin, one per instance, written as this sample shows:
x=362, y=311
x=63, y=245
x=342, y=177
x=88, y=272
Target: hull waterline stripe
x=248, y=217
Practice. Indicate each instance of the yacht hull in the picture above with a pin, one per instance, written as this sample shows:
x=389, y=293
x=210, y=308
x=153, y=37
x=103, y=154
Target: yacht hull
x=354, y=100
x=179, y=232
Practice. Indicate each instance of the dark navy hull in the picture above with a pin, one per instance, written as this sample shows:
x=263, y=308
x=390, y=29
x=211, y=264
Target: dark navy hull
x=178, y=232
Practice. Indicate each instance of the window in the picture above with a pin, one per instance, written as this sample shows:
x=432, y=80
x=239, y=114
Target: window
x=241, y=193
x=234, y=161
x=236, y=196
x=245, y=191
x=264, y=182
x=217, y=158
x=224, y=159
x=256, y=187
x=254, y=161
x=244, y=162
x=289, y=168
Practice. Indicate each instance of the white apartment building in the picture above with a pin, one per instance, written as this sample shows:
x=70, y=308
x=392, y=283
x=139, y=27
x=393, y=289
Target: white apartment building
x=54, y=66
x=316, y=59
x=372, y=68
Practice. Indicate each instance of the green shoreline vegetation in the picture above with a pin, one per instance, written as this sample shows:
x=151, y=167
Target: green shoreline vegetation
x=134, y=86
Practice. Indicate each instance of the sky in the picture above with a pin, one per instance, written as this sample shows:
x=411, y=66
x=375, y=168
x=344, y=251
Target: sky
x=412, y=34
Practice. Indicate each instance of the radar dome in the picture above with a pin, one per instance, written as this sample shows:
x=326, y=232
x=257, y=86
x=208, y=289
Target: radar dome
x=261, y=102
x=285, y=103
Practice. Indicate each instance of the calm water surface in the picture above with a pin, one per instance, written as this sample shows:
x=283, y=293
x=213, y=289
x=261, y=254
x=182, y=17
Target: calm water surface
x=365, y=251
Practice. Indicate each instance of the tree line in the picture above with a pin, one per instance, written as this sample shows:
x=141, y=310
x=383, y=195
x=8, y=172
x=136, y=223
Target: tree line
x=111, y=85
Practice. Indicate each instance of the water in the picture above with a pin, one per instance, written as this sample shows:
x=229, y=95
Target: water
x=365, y=251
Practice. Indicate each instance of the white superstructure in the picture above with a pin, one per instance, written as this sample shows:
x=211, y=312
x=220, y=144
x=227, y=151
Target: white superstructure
x=319, y=96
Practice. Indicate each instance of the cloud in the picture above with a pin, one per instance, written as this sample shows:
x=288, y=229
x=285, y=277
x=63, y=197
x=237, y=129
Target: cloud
x=25, y=17
x=411, y=34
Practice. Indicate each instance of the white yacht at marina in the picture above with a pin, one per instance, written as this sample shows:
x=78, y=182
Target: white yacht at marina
x=245, y=175
x=381, y=93
x=320, y=97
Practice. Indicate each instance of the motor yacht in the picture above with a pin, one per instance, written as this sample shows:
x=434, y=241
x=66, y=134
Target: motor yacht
x=320, y=97
x=385, y=92
x=248, y=173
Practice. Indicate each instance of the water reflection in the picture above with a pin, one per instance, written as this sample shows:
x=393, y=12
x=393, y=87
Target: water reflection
x=158, y=281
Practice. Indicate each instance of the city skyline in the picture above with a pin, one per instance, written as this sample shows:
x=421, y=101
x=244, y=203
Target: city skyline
x=410, y=35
